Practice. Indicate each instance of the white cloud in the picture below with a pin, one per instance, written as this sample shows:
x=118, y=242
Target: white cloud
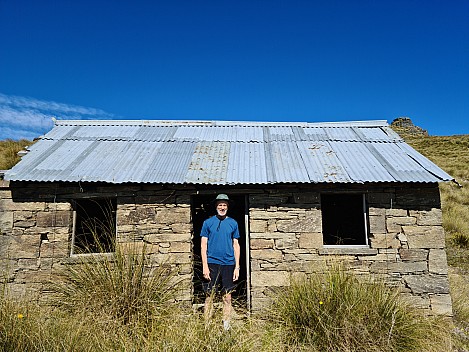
x=24, y=117
x=16, y=134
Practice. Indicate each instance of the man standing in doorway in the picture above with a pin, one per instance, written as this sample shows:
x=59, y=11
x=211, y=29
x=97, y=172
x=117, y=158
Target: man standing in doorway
x=220, y=257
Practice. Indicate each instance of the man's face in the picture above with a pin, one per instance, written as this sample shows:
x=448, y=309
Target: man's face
x=222, y=208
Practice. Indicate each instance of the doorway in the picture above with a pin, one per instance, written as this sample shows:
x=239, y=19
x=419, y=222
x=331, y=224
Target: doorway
x=202, y=208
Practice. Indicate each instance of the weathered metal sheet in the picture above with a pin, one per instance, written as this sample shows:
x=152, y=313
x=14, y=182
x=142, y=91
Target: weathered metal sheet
x=219, y=152
x=288, y=166
x=344, y=134
x=170, y=164
x=322, y=163
x=425, y=163
x=209, y=163
x=247, y=164
x=374, y=134
x=359, y=163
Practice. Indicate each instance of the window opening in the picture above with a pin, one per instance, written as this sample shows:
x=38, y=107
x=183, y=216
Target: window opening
x=344, y=219
x=203, y=207
x=94, y=226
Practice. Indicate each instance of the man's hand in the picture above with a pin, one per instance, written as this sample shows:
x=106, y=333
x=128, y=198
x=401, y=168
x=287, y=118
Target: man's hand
x=206, y=272
x=236, y=274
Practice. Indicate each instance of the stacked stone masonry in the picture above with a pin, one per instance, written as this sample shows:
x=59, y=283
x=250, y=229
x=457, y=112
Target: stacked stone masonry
x=407, y=242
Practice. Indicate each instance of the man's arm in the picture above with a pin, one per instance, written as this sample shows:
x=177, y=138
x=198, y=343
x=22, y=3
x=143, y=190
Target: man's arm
x=203, y=253
x=237, y=251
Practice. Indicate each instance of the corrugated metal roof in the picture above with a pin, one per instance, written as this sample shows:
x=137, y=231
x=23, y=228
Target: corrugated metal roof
x=219, y=152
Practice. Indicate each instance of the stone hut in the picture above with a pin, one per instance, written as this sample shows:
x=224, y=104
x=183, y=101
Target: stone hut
x=306, y=194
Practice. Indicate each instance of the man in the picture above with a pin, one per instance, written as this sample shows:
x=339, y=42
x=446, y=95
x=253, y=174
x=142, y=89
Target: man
x=220, y=257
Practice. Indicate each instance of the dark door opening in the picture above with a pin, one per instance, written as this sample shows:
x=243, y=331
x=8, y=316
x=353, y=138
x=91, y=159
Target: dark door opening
x=203, y=207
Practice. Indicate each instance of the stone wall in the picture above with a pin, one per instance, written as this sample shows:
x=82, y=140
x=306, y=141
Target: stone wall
x=36, y=224
x=407, y=242
x=407, y=247
x=160, y=220
x=34, y=235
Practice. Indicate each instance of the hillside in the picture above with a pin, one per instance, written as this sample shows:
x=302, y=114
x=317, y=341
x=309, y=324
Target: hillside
x=9, y=152
x=451, y=153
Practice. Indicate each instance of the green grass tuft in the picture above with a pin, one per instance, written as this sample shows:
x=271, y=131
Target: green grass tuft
x=338, y=311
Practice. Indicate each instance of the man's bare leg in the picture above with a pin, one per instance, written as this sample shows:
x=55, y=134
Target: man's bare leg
x=227, y=308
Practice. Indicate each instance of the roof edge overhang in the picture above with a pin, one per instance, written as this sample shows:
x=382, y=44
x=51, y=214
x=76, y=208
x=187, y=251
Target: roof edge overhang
x=233, y=184
x=369, y=123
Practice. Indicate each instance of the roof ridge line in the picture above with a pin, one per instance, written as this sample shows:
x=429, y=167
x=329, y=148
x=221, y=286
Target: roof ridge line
x=220, y=123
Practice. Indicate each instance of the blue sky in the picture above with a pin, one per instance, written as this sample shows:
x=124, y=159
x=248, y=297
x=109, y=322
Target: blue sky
x=253, y=60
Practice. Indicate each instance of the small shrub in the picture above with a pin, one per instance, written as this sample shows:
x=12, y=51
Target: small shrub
x=339, y=312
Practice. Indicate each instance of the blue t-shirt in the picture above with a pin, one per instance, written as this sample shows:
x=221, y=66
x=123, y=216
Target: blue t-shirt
x=220, y=234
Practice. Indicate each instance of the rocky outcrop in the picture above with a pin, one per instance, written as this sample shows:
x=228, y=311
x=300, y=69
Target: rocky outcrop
x=406, y=128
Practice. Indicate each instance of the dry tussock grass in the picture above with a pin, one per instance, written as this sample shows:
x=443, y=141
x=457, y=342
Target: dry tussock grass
x=452, y=155
x=9, y=152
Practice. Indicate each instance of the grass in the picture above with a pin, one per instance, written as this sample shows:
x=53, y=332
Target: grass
x=459, y=284
x=116, y=286
x=9, y=152
x=338, y=312
x=452, y=155
x=124, y=310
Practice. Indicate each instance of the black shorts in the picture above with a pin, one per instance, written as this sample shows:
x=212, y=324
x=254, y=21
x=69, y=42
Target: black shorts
x=221, y=278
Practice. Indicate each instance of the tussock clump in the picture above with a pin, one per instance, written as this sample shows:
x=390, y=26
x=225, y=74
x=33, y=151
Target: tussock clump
x=117, y=286
x=340, y=312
